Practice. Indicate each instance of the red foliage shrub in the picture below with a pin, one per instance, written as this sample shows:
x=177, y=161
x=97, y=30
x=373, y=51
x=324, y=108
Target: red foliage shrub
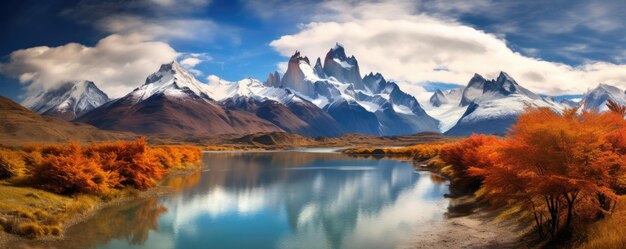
x=99, y=167
x=465, y=154
x=11, y=163
x=130, y=160
x=72, y=172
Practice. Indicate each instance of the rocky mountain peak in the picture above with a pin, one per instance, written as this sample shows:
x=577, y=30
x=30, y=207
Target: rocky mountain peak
x=69, y=100
x=273, y=80
x=343, y=68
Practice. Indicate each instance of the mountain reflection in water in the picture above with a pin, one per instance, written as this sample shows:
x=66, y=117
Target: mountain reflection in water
x=274, y=200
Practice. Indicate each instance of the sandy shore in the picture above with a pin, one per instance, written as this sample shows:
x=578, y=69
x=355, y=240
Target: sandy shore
x=472, y=231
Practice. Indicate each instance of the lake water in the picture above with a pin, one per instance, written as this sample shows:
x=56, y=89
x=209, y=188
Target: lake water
x=295, y=199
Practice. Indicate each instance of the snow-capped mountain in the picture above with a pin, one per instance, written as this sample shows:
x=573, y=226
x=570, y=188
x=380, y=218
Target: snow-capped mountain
x=368, y=105
x=280, y=106
x=170, y=80
x=172, y=102
x=323, y=99
x=597, y=98
x=569, y=103
x=486, y=106
x=445, y=106
x=68, y=101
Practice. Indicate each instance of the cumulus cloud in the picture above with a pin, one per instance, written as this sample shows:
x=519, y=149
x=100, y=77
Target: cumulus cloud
x=190, y=60
x=213, y=79
x=117, y=63
x=410, y=48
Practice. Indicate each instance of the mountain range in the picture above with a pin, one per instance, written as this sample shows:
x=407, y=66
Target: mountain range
x=67, y=101
x=326, y=98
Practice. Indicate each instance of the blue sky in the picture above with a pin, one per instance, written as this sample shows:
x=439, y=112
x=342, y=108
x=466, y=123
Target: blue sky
x=552, y=48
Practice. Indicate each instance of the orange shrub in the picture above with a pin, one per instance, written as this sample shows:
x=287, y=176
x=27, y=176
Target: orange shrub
x=11, y=163
x=130, y=160
x=465, y=153
x=177, y=156
x=98, y=167
x=73, y=172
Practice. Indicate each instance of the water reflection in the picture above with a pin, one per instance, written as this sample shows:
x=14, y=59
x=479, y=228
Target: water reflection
x=277, y=200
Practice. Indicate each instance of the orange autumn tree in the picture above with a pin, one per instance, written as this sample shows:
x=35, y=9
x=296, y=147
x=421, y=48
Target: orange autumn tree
x=553, y=164
x=464, y=154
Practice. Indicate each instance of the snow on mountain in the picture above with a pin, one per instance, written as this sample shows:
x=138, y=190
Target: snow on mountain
x=68, y=101
x=597, y=98
x=343, y=68
x=219, y=89
x=569, y=103
x=171, y=80
x=493, y=105
x=337, y=87
x=172, y=102
x=445, y=106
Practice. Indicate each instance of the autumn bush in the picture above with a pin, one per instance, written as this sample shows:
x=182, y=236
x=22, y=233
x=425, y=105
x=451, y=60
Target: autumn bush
x=557, y=165
x=72, y=172
x=11, y=163
x=98, y=168
x=462, y=155
x=176, y=156
x=132, y=161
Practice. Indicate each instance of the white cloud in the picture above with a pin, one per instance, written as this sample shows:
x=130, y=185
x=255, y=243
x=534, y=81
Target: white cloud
x=162, y=29
x=117, y=63
x=282, y=67
x=409, y=47
x=190, y=60
x=213, y=79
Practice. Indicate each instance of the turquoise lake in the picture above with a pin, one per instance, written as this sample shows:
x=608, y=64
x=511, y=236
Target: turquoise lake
x=286, y=199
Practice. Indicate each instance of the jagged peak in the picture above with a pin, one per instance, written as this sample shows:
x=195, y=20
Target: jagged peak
x=172, y=66
x=478, y=77
x=372, y=74
x=318, y=62
x=338, y=52
x=338, y=45
x=608, y=87
x=297, y=56
x=503, y=76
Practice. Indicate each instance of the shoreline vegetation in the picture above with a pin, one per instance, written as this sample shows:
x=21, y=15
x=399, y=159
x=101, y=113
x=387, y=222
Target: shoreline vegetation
x=561, y=178
x=558, y=179
x=44, y=189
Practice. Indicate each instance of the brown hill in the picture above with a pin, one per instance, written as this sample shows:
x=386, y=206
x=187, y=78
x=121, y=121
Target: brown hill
x=278, y=140
x=162, y=115
x=19, y=126
x=300, y=117
x=275, y=139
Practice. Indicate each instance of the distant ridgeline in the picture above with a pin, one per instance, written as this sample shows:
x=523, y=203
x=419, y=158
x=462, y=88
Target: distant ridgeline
x=325, y=98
